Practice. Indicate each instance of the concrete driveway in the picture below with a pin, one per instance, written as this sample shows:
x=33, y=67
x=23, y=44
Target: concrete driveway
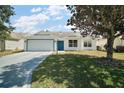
x=16, y=69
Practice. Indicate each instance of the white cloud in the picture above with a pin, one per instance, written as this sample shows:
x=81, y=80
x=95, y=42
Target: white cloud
x=59, y=17
x=57, y=11
x=54, y=10
x=29, y=23
x=33, y=10
x=60, y=28
x=32, y=20
x=32, y=30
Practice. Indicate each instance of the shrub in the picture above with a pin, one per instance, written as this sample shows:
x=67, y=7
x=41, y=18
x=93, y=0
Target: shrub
x=99, y=48
x=105, y=46
x=119, y=49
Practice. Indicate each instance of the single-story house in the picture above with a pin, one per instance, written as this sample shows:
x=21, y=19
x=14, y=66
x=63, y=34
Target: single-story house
x=117, y=42
x=52, y=41
x=15, y=42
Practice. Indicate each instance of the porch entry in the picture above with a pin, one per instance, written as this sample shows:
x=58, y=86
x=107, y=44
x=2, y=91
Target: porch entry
x=60, y=45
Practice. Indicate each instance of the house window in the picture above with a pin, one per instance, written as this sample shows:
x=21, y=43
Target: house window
x=87, y=44
x=72, y=43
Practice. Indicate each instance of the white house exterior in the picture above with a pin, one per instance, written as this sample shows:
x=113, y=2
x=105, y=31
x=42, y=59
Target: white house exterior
x=15, y=42
x=117, y=42
x=101, y=43
x=13, y=45
x=52, y=41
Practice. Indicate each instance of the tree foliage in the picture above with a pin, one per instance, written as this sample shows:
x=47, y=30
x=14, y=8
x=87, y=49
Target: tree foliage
x=6, y=12
x=105, y=20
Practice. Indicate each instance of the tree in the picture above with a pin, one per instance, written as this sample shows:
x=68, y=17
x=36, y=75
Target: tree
x=106, y=20
x=6, y=12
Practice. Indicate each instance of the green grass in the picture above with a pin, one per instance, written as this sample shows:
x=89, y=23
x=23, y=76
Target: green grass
x=119, y=56
x=8, y=52
x=79, y=69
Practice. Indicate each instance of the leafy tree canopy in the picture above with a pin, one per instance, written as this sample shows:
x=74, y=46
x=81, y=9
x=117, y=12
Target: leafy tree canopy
x=106, y=20
x=97, y=20
x=6, y=12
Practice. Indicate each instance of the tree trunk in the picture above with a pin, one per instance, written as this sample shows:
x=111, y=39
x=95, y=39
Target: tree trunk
x=110, y=42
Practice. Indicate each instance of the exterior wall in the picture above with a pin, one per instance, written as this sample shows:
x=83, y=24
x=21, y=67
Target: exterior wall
x=101, y=43
x=25, y=45
x=55, y=45
x=80, y=45
x=118, y=42
x=12, y=45
x=21, y=44
x=93, y=42
x=123, y=42
x=66, y=44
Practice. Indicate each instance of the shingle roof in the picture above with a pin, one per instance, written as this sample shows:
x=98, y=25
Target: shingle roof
x=59, y=34
x=20, y=35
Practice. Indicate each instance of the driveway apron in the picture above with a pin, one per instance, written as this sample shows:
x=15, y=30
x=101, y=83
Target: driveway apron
x=16, y=69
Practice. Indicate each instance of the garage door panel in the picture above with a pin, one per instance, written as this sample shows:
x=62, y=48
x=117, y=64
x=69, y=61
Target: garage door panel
x=40, y=45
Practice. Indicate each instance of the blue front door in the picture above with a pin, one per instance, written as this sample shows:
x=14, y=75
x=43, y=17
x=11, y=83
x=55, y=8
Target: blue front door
x=60, y=45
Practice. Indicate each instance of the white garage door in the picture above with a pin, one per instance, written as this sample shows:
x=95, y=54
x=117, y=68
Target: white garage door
x=40, y=45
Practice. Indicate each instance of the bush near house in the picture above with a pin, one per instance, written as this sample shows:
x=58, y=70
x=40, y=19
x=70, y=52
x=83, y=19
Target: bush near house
x=119, y=49
x=99, y=48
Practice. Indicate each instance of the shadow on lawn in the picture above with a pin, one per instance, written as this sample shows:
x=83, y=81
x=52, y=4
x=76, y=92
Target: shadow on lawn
x=77, y=71
x=15, y=75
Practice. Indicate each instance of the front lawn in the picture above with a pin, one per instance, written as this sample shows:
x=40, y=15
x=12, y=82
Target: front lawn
x=79, y=69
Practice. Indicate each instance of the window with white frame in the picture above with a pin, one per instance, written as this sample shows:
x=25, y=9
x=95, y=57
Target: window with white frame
x=88, y=43
x=73, y=43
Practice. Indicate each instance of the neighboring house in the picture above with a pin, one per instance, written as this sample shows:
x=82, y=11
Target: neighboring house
x=16, y=42
x=101, y=42
x=117, y=42
x=52, y=41
x=12, y=44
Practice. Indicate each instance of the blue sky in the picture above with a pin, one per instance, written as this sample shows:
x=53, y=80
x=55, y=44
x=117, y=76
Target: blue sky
x=34, y=18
